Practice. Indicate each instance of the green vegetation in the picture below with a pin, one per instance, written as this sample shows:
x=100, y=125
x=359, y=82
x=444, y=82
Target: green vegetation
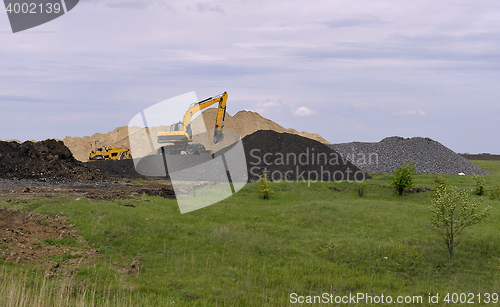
x=402, y=178
x=244, y=251
x=452, y=212
x=479, y=185
x=66, y=241
x=494, y=192
x=361, y=188
x=264, y=186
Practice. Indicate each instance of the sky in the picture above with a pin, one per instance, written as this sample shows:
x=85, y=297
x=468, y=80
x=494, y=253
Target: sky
x=348, y=70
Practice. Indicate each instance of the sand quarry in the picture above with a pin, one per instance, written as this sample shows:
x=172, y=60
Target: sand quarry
x=244, y=122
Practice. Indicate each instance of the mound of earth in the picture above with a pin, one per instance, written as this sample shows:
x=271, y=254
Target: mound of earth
x=244, y=122
x=429, y=156
x=285, y=156
x=45, y=159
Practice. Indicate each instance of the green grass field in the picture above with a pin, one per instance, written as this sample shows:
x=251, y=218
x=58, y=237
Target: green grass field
x=247, y=251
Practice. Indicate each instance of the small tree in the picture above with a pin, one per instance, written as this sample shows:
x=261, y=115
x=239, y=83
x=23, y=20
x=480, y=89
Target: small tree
x=264, y=186
x=452, y=211
x=479, y=185
x=402, y=178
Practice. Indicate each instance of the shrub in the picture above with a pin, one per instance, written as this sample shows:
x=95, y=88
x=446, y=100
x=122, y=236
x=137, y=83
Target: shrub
x=479, y=185
x=402, y=178
x=361, y=189
x=494, y=192
x=451, y=212
x=440, y=180
x=264, y=186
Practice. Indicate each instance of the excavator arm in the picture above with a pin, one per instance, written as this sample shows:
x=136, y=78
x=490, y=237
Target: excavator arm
x=164, y=137
x=219, y=122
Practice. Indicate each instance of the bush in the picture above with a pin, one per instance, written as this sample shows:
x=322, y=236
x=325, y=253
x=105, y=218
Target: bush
x=402, y=178
x=440, y=180
x=452, y=211
x=361, y=189
x=479, y=185
x=264, y=186
x=494, y=192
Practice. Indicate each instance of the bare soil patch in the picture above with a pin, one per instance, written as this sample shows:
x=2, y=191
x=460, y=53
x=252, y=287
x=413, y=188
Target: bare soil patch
x=34, y=238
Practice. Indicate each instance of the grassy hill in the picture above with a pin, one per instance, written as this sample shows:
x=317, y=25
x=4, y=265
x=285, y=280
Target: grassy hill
x=247, y=251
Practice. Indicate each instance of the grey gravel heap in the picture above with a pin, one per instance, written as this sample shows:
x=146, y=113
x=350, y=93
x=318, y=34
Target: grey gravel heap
x=429, y=156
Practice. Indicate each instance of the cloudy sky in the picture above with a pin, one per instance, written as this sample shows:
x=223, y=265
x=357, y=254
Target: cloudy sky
x=348, y=70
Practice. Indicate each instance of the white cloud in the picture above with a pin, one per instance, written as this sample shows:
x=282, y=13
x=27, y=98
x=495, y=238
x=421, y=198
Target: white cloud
x=303, y=112
x=268, y=106
x=418, y=111
x=203, y=7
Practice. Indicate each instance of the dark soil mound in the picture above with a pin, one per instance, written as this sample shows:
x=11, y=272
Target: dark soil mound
x=46, y=159
x=292, y=157
x=116, y=168
x=282, y=156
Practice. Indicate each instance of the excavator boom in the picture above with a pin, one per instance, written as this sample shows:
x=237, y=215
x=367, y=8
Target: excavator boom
x=180, y=134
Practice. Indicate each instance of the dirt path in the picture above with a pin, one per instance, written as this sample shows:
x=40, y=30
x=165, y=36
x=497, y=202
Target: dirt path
x=105, y=190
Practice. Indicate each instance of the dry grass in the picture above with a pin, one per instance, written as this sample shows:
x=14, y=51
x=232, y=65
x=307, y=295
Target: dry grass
x=19, y=290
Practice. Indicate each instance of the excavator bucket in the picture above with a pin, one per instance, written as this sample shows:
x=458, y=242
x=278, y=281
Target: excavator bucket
x=218, y=137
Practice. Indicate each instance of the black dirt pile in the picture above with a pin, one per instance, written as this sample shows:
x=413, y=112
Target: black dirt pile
x=45, y=159
x=291, y=157
x=429, y=156
x=282, y=156
x=116, y=168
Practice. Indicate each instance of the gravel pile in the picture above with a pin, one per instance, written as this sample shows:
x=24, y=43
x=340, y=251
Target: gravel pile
x=429, y=156
x=46, y=159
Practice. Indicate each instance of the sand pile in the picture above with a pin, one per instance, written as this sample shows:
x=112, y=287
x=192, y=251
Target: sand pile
x=244, y=122
x=247, y=122
x=45, y=159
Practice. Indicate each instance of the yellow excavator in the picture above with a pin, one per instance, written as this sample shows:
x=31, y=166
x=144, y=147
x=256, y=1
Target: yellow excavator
x=180, y=136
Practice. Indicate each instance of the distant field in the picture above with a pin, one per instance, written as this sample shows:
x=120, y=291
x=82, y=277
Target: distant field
x=481, y=157
x=246, y=251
